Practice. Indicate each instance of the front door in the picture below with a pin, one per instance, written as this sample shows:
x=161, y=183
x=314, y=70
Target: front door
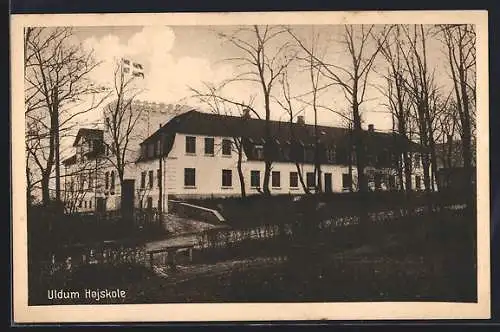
x=328, y=182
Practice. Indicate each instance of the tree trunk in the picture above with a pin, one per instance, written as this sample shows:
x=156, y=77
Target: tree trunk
x=267, y=145
x=467, y=148
x=240, y=171
x=407, y=171
x=317, y=169
x=45, y=189
x=57, y=152
x=301, y=179
x=432, y=146
x=267, y=173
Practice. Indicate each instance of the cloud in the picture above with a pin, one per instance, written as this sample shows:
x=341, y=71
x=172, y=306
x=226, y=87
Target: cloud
x=167, y=78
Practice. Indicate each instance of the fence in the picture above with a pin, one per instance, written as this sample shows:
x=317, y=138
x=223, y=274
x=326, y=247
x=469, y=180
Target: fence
x=324, y=225
x=257, y=210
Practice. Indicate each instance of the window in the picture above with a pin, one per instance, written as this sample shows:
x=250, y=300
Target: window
x=310, y=179
x=80, y=204
x=158, y=177
x=190, y=144
x=91, y=180
x=85, y=204
x=112, y=181
x=209, y=146
x=151, y=150
x=418, y=184
x=189, y=177
x=226, y=147
x=275, y=179
x=227, y=178
x=330, y=155
x=158, y=147
x=294, y=179
x=143, y=180
x=106, y=180
x=90, y=203
x=82, y=182
x=151, y=179
x=255, y=178
x=258, y=152
x=346, y=181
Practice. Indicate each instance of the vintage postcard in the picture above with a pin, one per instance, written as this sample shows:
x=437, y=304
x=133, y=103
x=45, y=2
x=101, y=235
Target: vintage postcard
x=250, y=166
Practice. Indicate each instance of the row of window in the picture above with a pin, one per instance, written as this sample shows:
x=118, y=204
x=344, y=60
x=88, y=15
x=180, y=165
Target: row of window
x=209, y=146
x=87, y=182
x=335, y=154
x=255, y=182
x=83, y=204
x=109, y=181
x=150, y=177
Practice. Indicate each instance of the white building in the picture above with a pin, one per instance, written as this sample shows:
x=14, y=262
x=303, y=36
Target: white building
x=199, y=157
x=90, y=179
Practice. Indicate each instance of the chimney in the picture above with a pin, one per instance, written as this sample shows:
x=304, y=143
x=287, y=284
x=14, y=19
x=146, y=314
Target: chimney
x=371, y=128
x=300, y=120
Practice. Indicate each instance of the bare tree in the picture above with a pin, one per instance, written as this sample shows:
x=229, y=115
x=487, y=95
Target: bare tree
x=287, y=105
x=56, y=83
x=262, y=64
x=81, y=179
x=424, y=93
x=211, y=97
x=353, y=81
x=460, y=41
x=121, y=117
x=398, y=99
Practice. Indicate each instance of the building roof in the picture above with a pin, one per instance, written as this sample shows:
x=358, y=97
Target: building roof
x=209, y=124
x=88, y=133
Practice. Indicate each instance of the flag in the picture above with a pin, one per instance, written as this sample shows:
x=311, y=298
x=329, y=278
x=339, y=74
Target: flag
x=134, y=69
x=138, y=70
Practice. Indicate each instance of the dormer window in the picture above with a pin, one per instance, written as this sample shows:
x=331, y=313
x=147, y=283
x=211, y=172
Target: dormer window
x=330, y=154
x=151, y=150
x=258, y=151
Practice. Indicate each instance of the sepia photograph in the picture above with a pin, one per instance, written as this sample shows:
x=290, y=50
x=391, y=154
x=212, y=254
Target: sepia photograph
x=268, y=164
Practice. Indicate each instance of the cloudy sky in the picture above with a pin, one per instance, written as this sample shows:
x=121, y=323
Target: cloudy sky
x=176, y=58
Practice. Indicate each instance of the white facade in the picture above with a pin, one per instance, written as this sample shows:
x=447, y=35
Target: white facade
x=200, y=168
x=209, y=168
x=96, y=180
